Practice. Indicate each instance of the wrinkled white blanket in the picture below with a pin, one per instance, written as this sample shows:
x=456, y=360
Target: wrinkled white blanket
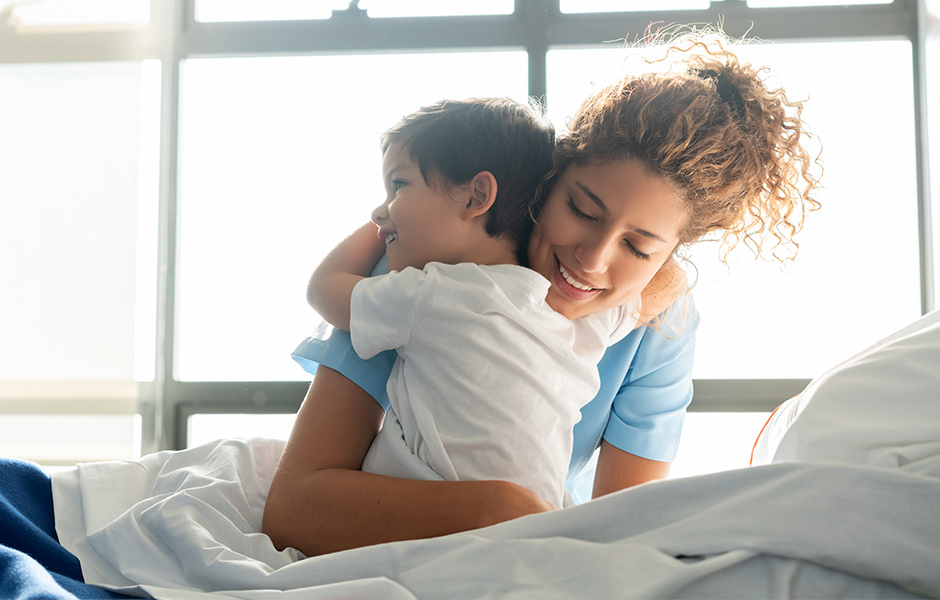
x=858, y=517
x=181, y=524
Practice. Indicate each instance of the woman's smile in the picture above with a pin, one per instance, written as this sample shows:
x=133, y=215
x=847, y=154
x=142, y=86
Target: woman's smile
x=571, y=285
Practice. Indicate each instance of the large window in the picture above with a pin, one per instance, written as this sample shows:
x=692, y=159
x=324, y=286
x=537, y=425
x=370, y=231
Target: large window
x=173, y=170
x=757, y=317
x=78, y=217
x=279, y=160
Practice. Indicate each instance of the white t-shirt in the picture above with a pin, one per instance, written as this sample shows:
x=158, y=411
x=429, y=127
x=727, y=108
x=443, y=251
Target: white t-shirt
x=490, y=380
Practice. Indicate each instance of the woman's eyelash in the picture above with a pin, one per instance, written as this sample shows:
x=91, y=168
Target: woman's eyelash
x=577, y=212
x=636, y=252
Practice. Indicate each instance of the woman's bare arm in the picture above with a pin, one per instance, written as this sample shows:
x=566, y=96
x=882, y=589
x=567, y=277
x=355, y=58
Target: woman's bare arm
x=320, y=502
x=617, y=470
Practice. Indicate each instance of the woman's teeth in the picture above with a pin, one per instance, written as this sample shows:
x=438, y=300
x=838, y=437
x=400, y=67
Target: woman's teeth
x=571, y=281
x=390, y=238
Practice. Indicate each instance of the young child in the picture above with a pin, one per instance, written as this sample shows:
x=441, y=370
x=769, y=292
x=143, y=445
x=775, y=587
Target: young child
x=470, y=325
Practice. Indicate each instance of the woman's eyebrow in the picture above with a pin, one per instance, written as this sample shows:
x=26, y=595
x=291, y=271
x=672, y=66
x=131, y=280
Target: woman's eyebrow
x=594, y=197
x=648, y=234
x=600, y=204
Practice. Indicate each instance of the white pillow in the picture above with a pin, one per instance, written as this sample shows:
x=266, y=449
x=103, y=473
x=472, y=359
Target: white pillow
x=879, y=408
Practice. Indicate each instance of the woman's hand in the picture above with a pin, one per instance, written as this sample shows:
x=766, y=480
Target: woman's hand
x=321, y=502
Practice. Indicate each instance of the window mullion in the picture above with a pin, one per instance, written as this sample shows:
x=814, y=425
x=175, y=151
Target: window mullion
x=537, y=18
x=925, y=225
x=156, y=408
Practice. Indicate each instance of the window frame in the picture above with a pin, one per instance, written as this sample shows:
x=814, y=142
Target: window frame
x=173, y=35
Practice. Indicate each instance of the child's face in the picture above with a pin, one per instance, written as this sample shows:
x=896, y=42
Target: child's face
x=604, y=232
x=419, y=222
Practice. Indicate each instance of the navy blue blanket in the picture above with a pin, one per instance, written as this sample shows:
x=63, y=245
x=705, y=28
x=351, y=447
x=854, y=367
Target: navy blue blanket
x=33, y=565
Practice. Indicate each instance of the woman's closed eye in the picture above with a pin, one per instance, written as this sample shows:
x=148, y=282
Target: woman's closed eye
x=635, y=252
x=573, y=207
x=577, y=212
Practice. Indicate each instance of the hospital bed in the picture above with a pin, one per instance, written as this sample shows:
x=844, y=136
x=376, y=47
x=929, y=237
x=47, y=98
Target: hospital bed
x=842, y=501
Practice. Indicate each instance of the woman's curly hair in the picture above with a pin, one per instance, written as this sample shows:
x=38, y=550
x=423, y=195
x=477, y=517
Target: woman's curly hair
x=733, y=148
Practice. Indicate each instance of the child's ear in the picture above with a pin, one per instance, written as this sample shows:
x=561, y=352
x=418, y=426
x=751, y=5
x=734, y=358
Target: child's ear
x=481, y=193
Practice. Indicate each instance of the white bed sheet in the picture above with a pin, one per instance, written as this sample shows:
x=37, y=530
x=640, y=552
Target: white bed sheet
x=881, y=407
x=857, y=517
x=187, y=521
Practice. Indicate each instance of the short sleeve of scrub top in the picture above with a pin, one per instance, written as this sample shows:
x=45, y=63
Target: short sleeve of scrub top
x=646, y=386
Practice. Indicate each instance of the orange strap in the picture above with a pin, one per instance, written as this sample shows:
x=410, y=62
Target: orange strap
x=754, y=447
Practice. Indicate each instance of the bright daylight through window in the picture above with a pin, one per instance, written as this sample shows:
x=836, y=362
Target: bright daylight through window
x=174, y=170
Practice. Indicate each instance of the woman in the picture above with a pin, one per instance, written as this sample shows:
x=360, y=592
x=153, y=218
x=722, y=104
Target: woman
x=650, y=165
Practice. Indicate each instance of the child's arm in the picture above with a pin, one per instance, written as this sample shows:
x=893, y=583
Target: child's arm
x=331, y=285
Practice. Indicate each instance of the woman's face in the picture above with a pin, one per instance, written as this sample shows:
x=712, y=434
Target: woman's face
x=604, y=232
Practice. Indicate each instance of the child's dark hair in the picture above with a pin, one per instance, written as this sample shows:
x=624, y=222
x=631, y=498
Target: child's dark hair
x=456, y=139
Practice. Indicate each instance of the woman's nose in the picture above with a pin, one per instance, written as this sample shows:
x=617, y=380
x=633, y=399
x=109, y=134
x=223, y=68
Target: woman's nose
x=594, y=256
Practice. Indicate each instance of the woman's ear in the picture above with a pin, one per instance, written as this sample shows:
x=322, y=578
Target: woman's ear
x=480, y=194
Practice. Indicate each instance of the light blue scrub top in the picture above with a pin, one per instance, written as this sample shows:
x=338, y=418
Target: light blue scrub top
x=646, y=386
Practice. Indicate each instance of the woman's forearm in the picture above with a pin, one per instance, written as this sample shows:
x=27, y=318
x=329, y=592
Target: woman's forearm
x=320, y=502
x=336, y=509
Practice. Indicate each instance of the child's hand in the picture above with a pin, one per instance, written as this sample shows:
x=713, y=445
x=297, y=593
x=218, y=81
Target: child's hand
x=668, y=284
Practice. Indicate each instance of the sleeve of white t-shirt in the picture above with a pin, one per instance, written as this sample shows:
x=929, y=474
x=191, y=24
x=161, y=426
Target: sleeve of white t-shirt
x=382, y=311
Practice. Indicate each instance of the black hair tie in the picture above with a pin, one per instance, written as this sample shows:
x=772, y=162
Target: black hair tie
x=727, y=91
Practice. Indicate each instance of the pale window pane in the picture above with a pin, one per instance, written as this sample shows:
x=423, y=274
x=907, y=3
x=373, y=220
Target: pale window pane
x=593, y=6
x=279, y=160
x=713, y=442
x=65, y=440
x=856, y=279
x=435, y=8
x=206, y=427
x=270, y=10
x=249, y=10
x=78, y=221
x=797, y=3
x=77, y=13
x=78, y=241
